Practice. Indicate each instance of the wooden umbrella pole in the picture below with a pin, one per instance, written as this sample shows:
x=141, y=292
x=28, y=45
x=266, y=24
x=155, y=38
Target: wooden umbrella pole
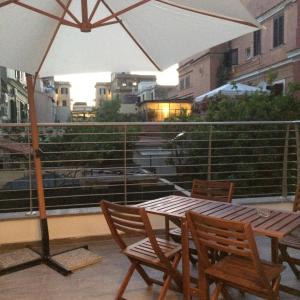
x=38, y=166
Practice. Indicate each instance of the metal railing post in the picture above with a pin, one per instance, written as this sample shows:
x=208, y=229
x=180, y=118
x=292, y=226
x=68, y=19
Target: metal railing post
x=298, y=152
x=30, y=212
x=125, y=164
x=285, y=164
x=209, y=155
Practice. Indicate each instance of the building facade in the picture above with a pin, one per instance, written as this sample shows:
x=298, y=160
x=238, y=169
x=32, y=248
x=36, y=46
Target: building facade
x=13, y=98
x=159, y=110
x=271, y=55
x=103, y=93
x=82, y=112
x=124, y=85
x=45, y=100
x=62, y=91
x=150, y=91
x=63, y=101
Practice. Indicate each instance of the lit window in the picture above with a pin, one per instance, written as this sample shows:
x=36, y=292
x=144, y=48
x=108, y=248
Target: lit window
x=134, y=83
x=124, y=84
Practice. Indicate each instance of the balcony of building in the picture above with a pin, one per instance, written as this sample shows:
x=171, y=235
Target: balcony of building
x=129, y=163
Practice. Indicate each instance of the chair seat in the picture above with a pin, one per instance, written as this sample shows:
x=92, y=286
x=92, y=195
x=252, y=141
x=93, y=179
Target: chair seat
x=238, y=271
x=292, y=240
x=143, y=251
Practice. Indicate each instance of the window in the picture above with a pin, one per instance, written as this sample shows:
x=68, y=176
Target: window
x=278, y=30
x=134, y=83
x=64, y=103
x=234, y=57
x=187, y=82
x=102, y=91
x=181, y=84
x=257, y=43
x=124, y=84
x=248, y=53
x=64, y=91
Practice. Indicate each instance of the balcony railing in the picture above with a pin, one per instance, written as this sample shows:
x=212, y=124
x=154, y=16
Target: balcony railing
x=133, y=162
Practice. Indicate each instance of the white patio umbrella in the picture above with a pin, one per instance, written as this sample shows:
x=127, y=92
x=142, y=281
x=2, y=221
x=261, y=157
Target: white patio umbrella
x=230, y=90
x=52, y=37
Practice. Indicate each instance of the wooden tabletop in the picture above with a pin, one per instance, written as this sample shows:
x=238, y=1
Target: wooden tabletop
x=277, y=225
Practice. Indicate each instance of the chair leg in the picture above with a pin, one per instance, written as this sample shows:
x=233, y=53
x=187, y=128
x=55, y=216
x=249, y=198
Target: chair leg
x=217, y=291
x=225, y=293
x=275, y=288
x=125, y=281
x=144, y=275
x=286, y=257
x=167, y=281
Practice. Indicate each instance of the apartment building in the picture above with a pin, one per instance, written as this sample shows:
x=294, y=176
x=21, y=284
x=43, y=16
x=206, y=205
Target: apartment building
x=103, y=92
x=125, y=85
x=63, y=101
x=273, y=52
x=13, y=96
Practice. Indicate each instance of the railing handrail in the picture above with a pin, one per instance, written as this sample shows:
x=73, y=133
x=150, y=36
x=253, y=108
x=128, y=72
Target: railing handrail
x=90, y=124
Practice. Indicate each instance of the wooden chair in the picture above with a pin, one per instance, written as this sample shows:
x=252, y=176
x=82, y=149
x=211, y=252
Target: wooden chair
x=152, y=252
x=241, y=268
x=205, y=189
x=292, y=240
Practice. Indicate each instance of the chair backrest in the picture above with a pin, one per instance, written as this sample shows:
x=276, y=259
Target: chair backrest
x=130, y=220
x=213, y=190
x=230, y=237
x=297, y=199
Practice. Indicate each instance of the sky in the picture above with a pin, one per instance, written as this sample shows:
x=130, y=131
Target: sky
x=83, y=85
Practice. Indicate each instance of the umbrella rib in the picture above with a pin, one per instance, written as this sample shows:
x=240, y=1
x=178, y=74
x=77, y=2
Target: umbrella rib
x=52, y=40
x=8, y=2
x=132, y=37
x=34, y=9
x=68, y=12
x=94, y=10
x=205, y=13
x=120, y=12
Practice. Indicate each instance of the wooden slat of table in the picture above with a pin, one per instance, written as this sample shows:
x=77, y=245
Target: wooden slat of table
x=208, y=207
x=240, y=213
x=276, y=225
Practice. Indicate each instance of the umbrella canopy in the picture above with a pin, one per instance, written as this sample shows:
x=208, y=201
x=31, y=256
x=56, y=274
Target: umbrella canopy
x=230, y=90
x=53, y=37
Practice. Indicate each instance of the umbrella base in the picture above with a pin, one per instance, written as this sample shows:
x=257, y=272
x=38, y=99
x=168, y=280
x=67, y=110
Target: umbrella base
x=51, y=263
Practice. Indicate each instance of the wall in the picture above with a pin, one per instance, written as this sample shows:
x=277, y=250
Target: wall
x=45, y=108
x=60, y=227
x=269, y=55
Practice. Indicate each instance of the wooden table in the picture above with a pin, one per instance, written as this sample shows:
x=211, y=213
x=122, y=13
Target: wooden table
x=276, y=226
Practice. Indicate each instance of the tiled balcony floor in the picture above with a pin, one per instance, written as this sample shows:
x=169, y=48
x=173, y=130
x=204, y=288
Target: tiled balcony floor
x=99, y=281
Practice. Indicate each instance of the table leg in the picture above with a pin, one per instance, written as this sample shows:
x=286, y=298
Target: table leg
x=167, y=227
x=185, y=260
x=274, y=250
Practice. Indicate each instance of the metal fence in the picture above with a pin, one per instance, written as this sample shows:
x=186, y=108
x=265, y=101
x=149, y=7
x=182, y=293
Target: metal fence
x=133, y=162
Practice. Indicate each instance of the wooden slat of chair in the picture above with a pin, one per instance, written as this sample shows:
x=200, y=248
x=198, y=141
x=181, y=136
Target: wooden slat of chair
x=153, y=252
x=241, y=268
x=292, y=240
x=220, y=191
